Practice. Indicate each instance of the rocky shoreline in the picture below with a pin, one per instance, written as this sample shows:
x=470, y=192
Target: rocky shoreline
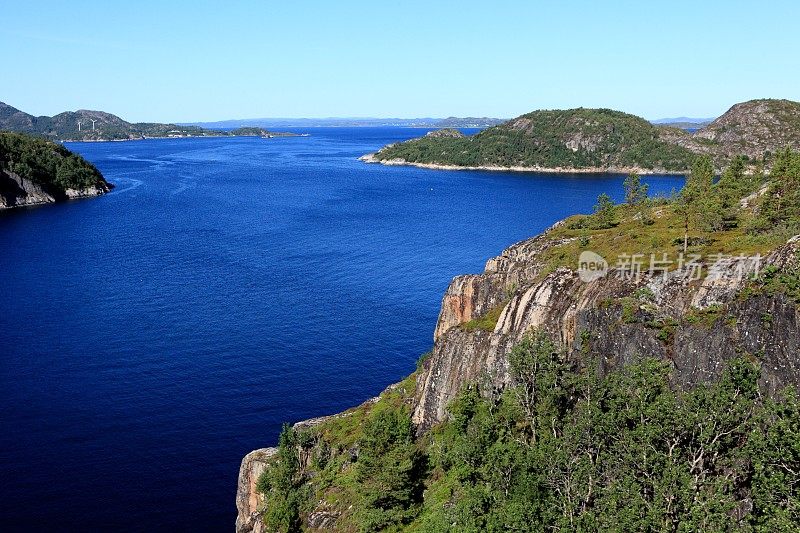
x=16, y=191
x=370, y=158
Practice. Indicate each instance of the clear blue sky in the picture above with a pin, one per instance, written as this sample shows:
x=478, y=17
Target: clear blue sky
x=191, y=61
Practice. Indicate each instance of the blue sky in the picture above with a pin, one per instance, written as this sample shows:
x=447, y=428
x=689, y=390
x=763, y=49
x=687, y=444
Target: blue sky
x=187, y=61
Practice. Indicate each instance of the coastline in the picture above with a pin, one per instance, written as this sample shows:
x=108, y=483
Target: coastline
x=370, y=158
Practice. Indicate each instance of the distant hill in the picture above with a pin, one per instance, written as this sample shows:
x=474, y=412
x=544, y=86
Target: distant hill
x=753, y=128
x=86, y=125
x=606, y=140
x=450, y=122
x=684, y=123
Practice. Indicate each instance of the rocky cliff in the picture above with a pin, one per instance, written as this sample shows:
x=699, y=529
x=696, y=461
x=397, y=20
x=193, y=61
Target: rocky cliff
x=16, y=191
x=247, y=497
x=694, y=324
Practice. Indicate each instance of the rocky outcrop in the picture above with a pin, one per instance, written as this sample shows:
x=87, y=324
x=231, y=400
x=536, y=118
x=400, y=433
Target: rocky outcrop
x=696, y=325
x=248, y=498
x=446, y=132
x=16, y=191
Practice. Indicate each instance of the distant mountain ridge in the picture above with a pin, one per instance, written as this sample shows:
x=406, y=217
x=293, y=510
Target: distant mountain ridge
x=88, y=125
x=683, y=120
x=602, y=140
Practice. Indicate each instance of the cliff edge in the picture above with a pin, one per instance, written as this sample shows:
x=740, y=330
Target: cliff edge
x=642, y=281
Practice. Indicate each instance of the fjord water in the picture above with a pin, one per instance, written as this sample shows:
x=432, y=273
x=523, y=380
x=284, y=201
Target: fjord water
x=154, y=336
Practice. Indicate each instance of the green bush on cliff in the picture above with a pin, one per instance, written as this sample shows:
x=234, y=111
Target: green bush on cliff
x=282, y=483
x=567, y=450
x=389, y=471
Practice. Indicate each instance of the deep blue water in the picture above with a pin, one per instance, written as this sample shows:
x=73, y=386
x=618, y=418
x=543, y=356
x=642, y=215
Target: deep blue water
x=154, y=336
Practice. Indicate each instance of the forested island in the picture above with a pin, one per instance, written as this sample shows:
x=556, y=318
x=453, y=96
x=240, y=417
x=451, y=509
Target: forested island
x=652, y=400
x=603, y=140
x=36, y=171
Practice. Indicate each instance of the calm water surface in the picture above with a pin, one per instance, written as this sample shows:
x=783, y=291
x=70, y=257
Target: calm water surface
x=154, y=336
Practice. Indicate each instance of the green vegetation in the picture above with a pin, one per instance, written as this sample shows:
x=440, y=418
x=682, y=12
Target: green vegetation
x=696, y=205
x=576, y=138
x=705, y=219
x=604, y=212
x=780, y=208
x=562, y=448
x=487, y=322
x=635, y=190
x=772, y=281
x=47, y=164
x=706, y=316
x=284, y=486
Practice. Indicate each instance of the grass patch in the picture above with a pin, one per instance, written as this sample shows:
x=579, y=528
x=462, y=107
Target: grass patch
x=772, y=281
x=487, y=322
x=705, y=317
x=344, y=430
x=664, y=235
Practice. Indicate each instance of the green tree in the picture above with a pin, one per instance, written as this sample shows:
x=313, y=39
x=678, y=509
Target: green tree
x=389, y=470
x=733, y=185
x=604, y=211
x=282, y=486
x=780, y=207
x=635, y=190
x=697, y=203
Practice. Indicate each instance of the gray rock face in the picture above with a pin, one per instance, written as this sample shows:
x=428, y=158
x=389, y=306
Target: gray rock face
x=16, y=191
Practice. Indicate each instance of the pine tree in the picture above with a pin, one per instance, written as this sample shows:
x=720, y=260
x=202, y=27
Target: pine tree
x=635, y=190
x=698, y=204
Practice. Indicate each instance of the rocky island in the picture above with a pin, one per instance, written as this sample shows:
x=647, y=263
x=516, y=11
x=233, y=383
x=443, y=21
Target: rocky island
x=567, y=391
x=603, y=140
x=35, y=171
